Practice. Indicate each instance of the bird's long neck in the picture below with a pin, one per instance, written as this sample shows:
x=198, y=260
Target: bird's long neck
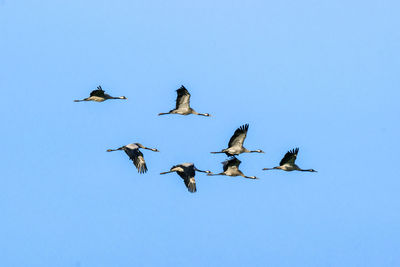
x=152, y=149
x=306, y=170
x=250, y=177
x=165, y=113
x=201, y=114
x=148, y=148
x=244, y=176
x=245, y=150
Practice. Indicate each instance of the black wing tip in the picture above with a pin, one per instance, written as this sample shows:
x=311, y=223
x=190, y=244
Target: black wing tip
x=182, y=90
x=142, y=169
x=192, y=188
x=190, y=184
x=294, y=151
x=244, y=127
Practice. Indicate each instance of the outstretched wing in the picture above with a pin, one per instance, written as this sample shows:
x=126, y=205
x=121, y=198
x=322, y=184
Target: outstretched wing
x=190, y=183
x=231, y=163
x=183, y=98
x=188, y=176
x=238, y=137
x=290, y=156
x=138, y=160
x=98, y=92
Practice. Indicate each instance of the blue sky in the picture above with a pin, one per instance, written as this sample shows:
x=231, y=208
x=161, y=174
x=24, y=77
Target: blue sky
x=320, y=75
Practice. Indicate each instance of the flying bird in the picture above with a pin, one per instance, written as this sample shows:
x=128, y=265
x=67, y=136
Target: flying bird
x=287, y=163
x=99, y=96
x=187, y=172
x=132, y=150
x=183, y=104
x=231, y=168
x=235, y=145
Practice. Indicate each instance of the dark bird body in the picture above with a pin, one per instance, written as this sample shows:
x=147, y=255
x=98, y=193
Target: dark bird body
x=132, y=150
x=231, y=168
x=187, y=172
x=235, y=145
x=287, y=163
x=183, y=104
x=99, y=95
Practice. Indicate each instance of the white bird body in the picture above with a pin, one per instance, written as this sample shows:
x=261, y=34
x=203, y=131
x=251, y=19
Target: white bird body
x=231, y=168
x=289, y=167
x=102, y=99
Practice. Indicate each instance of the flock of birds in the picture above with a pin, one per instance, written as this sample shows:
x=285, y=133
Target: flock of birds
x=187, y=170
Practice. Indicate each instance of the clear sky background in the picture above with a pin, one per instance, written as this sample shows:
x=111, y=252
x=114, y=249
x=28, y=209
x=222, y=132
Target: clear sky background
x=320, y=75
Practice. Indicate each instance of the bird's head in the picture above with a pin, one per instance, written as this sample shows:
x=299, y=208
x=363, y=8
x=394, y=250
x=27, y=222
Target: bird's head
x=312, y=170
x=207, y=115
x=254, y=177
x=155, y=150
x=259, y=151
x=208, y=172
x=123, y=97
